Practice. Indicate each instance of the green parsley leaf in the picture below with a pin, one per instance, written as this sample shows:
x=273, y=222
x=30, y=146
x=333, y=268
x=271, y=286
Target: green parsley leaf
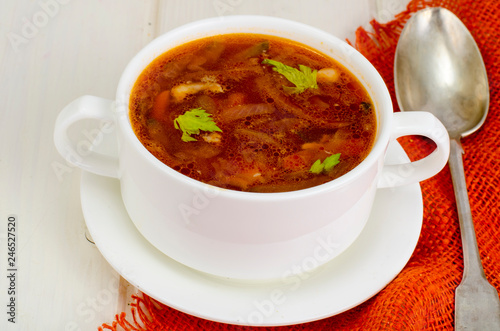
x=302, y=79
x=194, y=120
x=317, y=167
x=331, y=161
x=327, y=164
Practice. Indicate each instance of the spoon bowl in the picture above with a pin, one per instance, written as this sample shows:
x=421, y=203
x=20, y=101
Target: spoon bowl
x=438, y=68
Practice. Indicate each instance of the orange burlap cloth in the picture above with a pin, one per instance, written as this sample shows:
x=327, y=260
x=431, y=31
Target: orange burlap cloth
x=421, y=297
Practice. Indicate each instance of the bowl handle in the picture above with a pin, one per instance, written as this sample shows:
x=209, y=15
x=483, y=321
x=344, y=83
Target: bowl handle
x=423, y=124
x=82, y=145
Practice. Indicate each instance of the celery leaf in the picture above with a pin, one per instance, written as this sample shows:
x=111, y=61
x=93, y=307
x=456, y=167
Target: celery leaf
x=302, y=79
x=327, y=164
x=193, y=121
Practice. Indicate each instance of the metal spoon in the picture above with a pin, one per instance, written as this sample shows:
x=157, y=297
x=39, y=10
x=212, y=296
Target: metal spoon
x=438, y=68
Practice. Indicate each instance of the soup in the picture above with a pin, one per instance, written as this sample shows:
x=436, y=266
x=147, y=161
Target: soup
x=253, y=113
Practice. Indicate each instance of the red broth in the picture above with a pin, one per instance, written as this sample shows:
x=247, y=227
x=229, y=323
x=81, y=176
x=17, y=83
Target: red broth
x=258, y=130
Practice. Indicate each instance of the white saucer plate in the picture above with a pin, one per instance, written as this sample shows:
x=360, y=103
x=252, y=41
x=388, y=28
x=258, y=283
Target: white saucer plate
x=366, y=267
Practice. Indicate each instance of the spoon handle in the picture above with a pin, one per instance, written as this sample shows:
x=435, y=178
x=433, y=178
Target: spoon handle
x=472, y=259
x=477, y=305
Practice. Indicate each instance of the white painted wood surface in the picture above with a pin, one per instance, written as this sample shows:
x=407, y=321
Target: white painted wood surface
x=51, y=52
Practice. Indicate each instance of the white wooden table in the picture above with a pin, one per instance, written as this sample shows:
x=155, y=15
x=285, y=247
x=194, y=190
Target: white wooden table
x=51, y=52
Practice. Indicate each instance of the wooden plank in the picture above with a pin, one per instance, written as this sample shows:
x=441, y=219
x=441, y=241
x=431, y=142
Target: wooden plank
x=339, y=17
x=53, y=52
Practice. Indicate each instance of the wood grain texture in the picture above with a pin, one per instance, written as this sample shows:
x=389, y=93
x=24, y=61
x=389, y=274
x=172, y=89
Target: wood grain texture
x=51, y=52
x=335, y=16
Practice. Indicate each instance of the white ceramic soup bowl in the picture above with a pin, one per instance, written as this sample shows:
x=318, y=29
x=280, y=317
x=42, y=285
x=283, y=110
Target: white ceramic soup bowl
x=244, y=235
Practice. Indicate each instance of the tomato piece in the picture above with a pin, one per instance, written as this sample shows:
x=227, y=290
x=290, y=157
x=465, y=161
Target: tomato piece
x=294, y=162
x=160, y=105
x=235, y=99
